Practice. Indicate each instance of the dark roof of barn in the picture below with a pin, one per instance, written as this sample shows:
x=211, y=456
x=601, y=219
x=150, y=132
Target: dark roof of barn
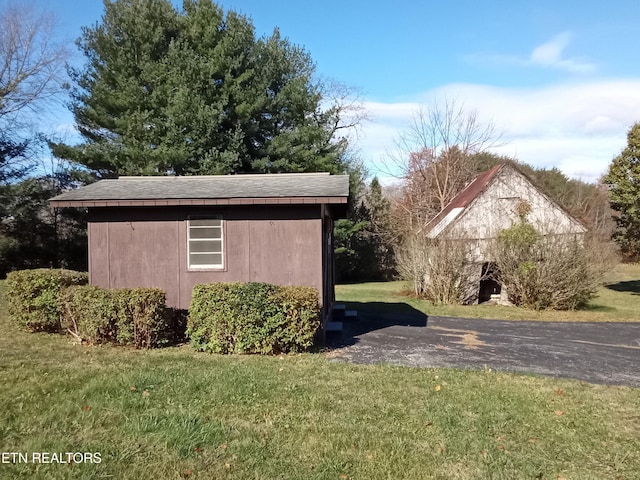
x=206, y=190
x=462, y=199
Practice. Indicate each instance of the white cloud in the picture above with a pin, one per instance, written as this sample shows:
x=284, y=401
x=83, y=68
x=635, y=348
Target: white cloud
x=548, y=55
x=578, y=128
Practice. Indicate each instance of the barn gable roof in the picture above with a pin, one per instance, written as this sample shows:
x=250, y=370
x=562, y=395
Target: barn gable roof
x=456, y=206
x=294, y=188
x=462, y=202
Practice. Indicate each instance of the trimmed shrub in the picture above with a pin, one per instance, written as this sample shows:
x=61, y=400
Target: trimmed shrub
x=252, y=318
x=145, y=320
x=301, y=316
x=90, y=313
x=125, y=316
x=34, y=296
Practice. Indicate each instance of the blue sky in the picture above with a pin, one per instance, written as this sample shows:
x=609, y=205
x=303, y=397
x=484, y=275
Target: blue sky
x=559, y=79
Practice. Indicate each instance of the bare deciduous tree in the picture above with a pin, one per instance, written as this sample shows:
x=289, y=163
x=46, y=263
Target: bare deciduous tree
x=32, y=63
x=434, y=158
x=345, y=112
x=31, y=71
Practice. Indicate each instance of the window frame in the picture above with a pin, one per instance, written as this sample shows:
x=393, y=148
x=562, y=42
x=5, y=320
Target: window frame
x=205, y=267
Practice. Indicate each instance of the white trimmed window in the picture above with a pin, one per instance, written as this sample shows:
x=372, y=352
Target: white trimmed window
x=205, y=243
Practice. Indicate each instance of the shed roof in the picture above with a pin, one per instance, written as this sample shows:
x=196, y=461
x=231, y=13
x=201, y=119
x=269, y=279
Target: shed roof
x=208, y=190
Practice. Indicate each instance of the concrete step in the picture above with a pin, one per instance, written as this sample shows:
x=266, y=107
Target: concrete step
x=333, y=327
x=338, y=312
x=351, y=315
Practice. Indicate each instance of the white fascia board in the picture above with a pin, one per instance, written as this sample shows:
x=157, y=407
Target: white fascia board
x=444, y=223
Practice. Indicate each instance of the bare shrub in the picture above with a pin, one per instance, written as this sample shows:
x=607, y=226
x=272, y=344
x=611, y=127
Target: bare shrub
x=559, y=272
x=411, y=261
x=438, y=268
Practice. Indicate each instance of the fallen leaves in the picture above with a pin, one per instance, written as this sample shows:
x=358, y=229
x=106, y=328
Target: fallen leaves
x=438, y=388
x=559, y=412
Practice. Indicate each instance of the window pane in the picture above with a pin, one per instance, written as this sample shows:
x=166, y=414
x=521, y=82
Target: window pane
x=209, y=246
x=205, y=233
x=202, y=259
x=206, y=222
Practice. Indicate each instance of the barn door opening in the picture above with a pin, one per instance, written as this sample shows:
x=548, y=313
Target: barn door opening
x=489, y=288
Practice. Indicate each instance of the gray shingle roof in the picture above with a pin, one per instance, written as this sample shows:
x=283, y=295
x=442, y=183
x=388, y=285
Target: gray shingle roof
x=211, y=187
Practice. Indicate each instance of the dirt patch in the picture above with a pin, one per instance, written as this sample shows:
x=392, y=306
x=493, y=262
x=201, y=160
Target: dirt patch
x=468, y=338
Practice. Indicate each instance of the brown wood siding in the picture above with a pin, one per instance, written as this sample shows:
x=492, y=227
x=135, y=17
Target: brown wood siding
x=132, y=247
x=98, y=237
x=284, y=252
x=144, y=254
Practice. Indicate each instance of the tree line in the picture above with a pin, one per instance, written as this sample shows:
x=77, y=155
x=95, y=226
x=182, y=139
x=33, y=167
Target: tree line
x=193, y=90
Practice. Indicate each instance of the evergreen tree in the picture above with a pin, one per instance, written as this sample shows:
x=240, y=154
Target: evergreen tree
x=33, y=235
x=382, y=235
x=623, y=177
x=194, y=92
x=364, y=239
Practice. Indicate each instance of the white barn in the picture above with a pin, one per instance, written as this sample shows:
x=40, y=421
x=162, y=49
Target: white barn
x=488, y=205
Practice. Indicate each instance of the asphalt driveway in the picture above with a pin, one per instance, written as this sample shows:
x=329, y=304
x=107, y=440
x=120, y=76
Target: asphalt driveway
x=606, y=353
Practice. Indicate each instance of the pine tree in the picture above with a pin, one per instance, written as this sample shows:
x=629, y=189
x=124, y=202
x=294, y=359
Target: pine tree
x=194, y=92
x=623, y=177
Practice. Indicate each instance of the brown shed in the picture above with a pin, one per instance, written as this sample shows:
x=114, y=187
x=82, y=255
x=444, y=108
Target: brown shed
x=175, y=232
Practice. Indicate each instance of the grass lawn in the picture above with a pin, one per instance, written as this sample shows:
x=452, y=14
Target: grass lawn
x=618, y=301
x=175, y=413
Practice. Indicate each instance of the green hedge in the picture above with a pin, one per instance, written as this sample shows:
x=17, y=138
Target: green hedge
x=34, y=296
x=125, y=316
x=252, y=318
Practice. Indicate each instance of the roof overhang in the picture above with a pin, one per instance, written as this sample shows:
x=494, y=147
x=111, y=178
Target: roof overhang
x=170, y=202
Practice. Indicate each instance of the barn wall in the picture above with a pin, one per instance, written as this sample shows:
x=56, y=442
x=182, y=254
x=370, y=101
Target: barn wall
x=494, y=210
x=131, y=247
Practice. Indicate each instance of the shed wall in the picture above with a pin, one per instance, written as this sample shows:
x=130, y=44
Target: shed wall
x=148, y=247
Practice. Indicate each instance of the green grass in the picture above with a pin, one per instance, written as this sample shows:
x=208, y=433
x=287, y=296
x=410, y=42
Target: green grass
x=175, y=413
x=618, y=301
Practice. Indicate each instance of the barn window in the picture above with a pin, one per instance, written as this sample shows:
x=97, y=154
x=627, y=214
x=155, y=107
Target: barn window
x=205, y=243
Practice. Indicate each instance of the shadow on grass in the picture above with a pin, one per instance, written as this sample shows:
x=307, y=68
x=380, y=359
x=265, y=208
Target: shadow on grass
x=595, y=308
x=632, y=286
x=375, y=316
